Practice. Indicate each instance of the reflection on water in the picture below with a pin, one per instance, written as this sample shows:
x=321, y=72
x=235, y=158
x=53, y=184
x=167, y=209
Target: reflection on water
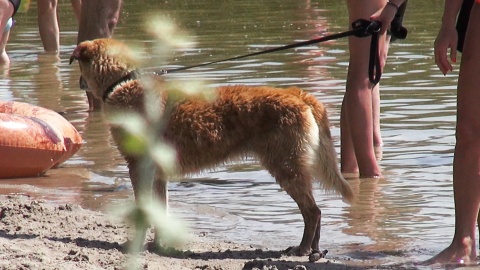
x=407, y=214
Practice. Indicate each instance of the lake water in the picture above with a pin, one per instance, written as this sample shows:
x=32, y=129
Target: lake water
x=407, y=215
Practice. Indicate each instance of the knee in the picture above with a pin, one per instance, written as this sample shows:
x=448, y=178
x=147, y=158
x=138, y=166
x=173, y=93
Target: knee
x=112, y=14
x=47, y=7
x=7, y=7
x=112, y=22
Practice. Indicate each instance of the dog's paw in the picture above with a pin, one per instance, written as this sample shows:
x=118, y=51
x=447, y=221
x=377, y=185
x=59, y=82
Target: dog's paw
x=297, y=251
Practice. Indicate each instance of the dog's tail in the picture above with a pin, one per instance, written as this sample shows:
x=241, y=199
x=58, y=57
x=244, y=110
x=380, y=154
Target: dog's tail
x=325, y=166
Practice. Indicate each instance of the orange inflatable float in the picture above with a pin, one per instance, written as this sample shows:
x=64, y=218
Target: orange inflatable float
x=33, y=139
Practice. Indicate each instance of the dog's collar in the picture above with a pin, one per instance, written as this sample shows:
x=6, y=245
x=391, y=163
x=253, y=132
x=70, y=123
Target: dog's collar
x=132, y=75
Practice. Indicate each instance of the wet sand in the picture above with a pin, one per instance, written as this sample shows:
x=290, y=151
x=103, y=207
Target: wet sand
x=36, y=234
x=45, y=223
x=41, y=235
x=59, y=221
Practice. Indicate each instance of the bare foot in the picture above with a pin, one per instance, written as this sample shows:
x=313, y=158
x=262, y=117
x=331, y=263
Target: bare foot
x=462, y=253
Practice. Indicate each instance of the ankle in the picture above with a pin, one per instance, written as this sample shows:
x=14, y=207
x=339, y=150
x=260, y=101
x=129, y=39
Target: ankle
x=467, y=244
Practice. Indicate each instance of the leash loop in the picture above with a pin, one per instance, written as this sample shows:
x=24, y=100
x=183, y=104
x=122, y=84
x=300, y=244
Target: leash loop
x=371, y=28
x=374, y=66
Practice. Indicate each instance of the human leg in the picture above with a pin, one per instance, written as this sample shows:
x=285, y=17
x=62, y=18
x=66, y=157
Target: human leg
x=6, y=13
x=466, y=164
x=377, y=134
x=357, y=120
x=77, y=9
x=4, y=59
x=348, y=160
x=48, y=24
x=98, y=18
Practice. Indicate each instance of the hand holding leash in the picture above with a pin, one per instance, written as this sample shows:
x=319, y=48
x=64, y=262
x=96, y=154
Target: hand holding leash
x=396, y=28
x=366, y=28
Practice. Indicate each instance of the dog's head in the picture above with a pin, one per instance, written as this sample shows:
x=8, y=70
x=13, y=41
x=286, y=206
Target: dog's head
x=103, y=62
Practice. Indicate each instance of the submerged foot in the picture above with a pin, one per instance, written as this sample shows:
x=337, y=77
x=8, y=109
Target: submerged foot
x=350, y=175
x=378, y=152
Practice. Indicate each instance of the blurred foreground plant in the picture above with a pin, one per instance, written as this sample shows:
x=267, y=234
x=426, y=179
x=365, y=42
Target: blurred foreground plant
x=143, y=141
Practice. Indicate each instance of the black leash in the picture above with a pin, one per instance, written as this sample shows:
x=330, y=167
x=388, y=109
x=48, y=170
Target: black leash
x=360, y=28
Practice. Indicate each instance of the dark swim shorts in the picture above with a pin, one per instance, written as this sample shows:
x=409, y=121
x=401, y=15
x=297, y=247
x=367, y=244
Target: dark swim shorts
x=462, y=22
x=16, y=5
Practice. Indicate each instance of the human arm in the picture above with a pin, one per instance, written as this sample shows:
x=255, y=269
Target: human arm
x=386, y=14
x=447, y=38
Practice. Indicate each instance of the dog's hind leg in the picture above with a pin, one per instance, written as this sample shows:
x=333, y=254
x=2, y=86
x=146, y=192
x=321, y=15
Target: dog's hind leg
x=311, y=217
x=295, y=179
x=160, y=191
x=134, y=171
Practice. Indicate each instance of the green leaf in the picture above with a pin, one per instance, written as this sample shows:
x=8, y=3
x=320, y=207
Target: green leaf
x=165, y=157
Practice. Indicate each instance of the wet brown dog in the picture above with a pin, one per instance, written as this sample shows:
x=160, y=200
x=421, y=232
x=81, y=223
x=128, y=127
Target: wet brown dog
x=286, y=129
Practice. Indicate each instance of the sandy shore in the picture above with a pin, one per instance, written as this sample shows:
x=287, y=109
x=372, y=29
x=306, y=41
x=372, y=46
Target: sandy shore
x=42, y=235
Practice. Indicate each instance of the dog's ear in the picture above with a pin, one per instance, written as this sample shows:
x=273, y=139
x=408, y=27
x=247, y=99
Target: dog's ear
x=83, y=52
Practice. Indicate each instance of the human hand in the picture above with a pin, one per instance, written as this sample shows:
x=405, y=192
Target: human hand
x=385, y=15
x=447, y=39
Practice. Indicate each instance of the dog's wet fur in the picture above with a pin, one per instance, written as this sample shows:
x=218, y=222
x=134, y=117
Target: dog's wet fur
x=287, y=130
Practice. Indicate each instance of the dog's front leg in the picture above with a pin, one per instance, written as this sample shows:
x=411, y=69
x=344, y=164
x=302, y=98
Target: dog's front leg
x=134, y=172
x=160, y=192
x=143, y=192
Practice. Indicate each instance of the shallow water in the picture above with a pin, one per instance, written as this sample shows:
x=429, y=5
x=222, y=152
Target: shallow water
x=409, y=214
